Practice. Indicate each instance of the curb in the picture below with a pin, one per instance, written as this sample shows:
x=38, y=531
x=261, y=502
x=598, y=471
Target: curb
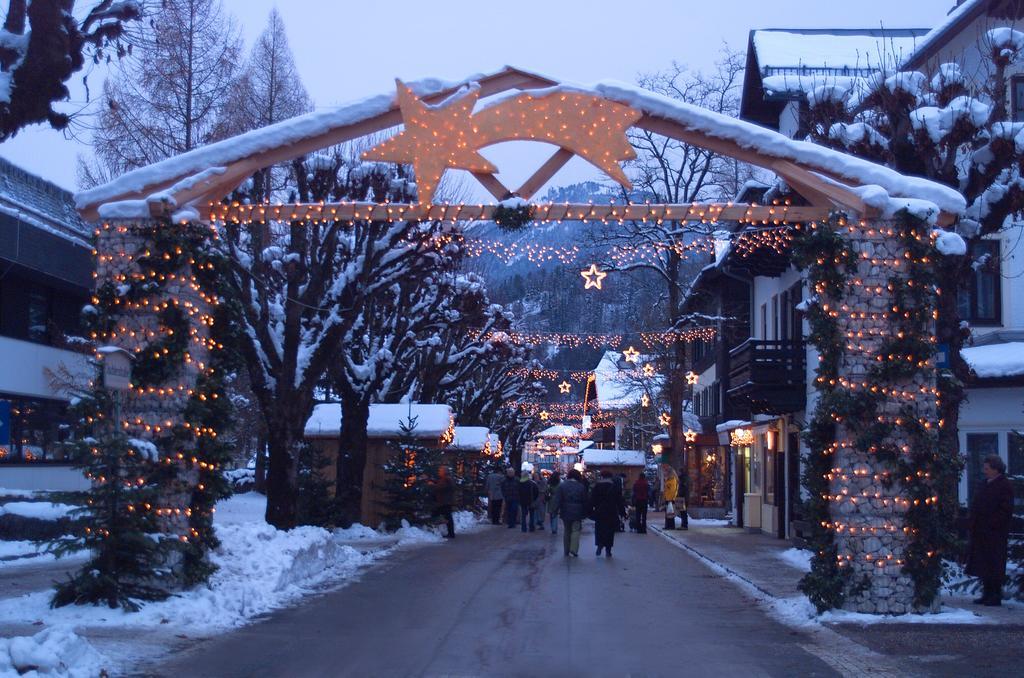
x=665, y=535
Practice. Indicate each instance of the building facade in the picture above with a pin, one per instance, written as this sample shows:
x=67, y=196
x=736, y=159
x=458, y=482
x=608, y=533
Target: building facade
x=45, y=280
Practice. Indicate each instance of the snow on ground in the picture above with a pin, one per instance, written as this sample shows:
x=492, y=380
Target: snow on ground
x=701, y=522
x=56, y=651
x=40, y=510
x=14, y=554
x=260, y=569
x=798, y=558
x=6, y=492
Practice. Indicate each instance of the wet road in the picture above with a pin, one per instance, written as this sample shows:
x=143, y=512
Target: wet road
x=501, y=603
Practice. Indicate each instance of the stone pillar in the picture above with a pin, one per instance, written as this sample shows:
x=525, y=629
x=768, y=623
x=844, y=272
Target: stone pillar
x=153, y=412
x=869, y=503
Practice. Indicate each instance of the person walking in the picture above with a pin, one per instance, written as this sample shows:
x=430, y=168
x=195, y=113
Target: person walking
x=552, y=503
x=641, y=495
x=444, y=499
x=510, y=496
x=571, y=500
x=605, y=508
x=991, y=510
x=541, y=503
x=527, y=501
x=495, y=498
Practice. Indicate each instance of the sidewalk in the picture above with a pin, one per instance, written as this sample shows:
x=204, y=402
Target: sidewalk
x=775, y=567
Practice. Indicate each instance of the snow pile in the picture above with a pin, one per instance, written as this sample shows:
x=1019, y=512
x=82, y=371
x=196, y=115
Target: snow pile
x=949, y=243
x=996, y=360
x=796, y=558
x=938, y=122
x=593, y=457
x=40, y=510
x=470, y=438
x=855, y=133
x=1005, y=38
x=55, y=651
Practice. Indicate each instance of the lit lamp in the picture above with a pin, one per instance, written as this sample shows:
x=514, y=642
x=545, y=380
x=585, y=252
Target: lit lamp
x=741, y=437
x=770, y=439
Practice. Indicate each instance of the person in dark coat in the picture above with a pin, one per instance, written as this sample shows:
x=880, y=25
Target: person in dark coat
x=571, y=500
x=605, y=508
x=510, y=493
x=641, y=495
x=991, y=510
x=528, y=493
x=495, y=498
x=444, y=499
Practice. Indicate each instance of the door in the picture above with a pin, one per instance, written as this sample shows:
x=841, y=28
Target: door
x=780, y=493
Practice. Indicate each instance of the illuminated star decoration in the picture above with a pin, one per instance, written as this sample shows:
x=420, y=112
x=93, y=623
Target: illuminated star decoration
x=593, y=277
x=690, y=435
x=645, y=400
x=544, y=415
x=692, y=378
x=664, y=419
x=435, y=138
x=631, y=355
x=565, y=387
x=648, y=370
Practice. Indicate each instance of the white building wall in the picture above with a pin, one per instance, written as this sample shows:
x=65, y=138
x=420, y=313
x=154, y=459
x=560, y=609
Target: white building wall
x=990, y=410
x=26, y=368
x=789, y=119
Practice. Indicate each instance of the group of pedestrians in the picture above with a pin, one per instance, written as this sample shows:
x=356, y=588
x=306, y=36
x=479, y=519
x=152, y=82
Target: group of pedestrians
x=530, y=498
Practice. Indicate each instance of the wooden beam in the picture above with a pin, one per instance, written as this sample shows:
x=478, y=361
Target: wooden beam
x=242, y=167
x=806, y=178
x=355, y=211
x=544, y=174
x=492, y=184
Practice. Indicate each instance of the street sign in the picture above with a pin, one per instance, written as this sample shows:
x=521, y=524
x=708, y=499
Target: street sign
x=942, y=356
x=117, y=368
x=5, y=422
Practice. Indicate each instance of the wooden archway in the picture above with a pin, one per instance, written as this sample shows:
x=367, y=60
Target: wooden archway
x=825, y=178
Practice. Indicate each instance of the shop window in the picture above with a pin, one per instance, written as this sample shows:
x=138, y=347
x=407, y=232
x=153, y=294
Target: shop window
x=979, y=446
x=1015, y=454
x=38, y=430
x=755, y=471
x=769, y=475
x=980, y=302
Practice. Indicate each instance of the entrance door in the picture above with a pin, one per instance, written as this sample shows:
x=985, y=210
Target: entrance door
x=780, y=493
x=793, y=499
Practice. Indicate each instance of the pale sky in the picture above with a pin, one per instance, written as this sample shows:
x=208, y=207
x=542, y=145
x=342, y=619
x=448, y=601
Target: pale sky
x=347, y=50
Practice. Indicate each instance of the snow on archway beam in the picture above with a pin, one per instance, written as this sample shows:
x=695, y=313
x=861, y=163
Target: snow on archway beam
x=824, y=177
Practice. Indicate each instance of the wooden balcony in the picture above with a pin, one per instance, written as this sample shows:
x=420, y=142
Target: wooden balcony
x=768, y=376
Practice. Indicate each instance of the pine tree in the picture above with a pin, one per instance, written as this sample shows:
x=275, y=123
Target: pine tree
x=409, y=470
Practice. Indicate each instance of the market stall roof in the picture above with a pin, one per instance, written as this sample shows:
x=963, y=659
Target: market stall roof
x=386, y=420
x=559, y=431
x=470, y=438
x=614, y=458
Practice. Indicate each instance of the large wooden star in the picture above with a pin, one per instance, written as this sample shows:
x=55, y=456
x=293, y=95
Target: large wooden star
x=435, y=138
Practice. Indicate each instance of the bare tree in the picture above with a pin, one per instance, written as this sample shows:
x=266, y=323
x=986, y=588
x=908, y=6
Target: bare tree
x=169, y=98
x=671, y=171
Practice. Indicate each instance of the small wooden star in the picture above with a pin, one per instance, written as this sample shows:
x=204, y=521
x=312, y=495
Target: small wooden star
x=648, y=370
x=631, y=355
x=690, y=435
x=565, y=387
x=692, y=378
x=645, y=400
x=665, y=419
x=593, y=277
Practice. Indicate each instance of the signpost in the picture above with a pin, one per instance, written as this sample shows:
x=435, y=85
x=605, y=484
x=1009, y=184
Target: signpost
x=117, y=368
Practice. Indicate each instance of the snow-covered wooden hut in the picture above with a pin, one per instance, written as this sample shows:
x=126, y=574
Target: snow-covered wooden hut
x=630, y=462
x=388, y=425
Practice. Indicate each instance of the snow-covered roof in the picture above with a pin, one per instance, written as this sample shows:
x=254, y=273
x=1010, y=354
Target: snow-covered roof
x=856, y=50
x=431, y=421
x=614, y=458
x=768, y=145
x=996, y=360
x=470, y=438
x=559, y=431
x=617, y=388
x=40, y=203
x=958, y=18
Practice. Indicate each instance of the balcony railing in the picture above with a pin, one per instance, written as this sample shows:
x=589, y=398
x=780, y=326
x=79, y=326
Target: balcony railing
x=768, y=376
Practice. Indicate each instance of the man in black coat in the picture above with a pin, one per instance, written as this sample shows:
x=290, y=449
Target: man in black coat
x=991, y=510
x=510, y=494
x=606, y=508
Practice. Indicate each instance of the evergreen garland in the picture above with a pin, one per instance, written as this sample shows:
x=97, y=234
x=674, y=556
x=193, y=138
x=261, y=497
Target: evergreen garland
x=512, y=217
x=920, y=467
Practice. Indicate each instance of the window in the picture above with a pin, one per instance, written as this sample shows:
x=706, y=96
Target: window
x=754, y=486
x=1015, y=454
x=775, y=317
x=1017, y=98
x=769, y=473
x=980, y=302
x=38, y=427
x=979, y=446
x=764, y=320
x=38, y=315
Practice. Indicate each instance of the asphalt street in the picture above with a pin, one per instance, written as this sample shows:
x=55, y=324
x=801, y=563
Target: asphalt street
x=498, y=602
